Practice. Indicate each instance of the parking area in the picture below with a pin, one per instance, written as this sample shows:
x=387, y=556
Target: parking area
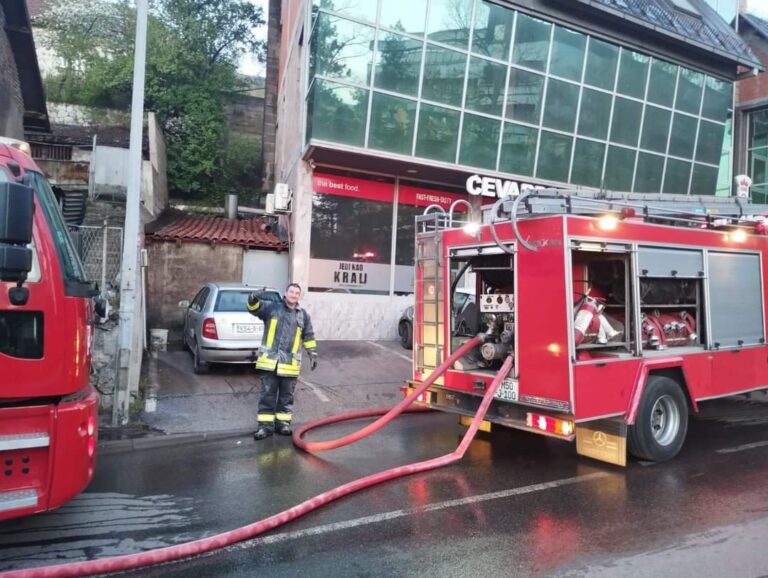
x=350, y=375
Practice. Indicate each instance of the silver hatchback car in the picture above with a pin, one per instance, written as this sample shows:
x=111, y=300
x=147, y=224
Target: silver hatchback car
x=218, y=327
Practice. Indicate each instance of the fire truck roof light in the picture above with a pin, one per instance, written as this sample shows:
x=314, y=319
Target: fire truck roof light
x=738, y=235
x=608, y=222
x=471, y=228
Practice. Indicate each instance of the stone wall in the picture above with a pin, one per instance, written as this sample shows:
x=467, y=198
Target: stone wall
x=75, y=114
x=11, y=103
x=177, y=271
x=245, y=114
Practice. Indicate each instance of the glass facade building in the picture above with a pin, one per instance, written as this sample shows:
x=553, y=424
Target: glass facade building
x=485, y=87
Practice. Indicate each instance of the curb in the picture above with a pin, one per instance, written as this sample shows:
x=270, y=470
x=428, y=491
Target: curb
x=107, y=447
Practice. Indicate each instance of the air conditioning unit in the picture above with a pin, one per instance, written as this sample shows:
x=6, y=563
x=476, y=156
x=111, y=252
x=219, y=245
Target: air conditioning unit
x=270, y=208
x=283, y=196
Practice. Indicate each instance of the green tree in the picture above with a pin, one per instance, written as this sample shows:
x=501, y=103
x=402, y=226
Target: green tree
x=193, y=47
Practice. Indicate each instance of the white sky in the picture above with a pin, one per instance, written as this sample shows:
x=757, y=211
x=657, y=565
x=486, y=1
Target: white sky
x=248, y=64
x=759, y=7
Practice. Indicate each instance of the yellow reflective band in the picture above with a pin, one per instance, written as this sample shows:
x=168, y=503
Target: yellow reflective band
x=254, y=307
x=296, y=341
x=265, y=362
x=288, y=370
x=266, y=417
x=271, y=333
x=310, y=344
x=283, y=417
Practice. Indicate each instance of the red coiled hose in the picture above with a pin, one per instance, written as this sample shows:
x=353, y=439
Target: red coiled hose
x=203, y=545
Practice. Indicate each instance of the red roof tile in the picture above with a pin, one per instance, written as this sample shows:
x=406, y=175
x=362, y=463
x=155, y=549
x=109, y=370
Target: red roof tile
x=253, y=232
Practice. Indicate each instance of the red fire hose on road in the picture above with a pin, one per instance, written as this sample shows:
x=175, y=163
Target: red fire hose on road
x=203, y=545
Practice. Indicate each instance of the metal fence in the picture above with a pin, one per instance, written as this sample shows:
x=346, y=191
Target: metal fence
x=101, y=249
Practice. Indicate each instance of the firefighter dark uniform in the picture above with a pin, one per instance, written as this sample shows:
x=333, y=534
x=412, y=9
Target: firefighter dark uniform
x=285, y=331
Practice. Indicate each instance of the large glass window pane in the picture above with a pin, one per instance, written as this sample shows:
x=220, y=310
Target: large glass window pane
x=758, y=122
x=360, y=9
x=404, y=15
x=479, y=141
x=655, y=129
x=661, y=87
x=406, y=233
x=704, y=180
x=759, y=194
x=337, y=113
x=518, y=149
x=619, y=168
x=689, y=88
x=438, y=133
x=650, y=169
x=724, y=181
x=562, y=101
x=485, y=86
x=444, y=75
x=342, y=49
x=588, y=163
x=398, y=63
x=524, y=96
x=595, y=113
x=683, y=136
x=449, y=21
x=531, y=42
x=676, y=177
x=493, y=30
x=633, y=72
x=601, y=64
x=718, y=96
x=567, y=58
x=554, y=156
x=626, y=121
x=758, y=165
x=392, y=124
x=710, y=142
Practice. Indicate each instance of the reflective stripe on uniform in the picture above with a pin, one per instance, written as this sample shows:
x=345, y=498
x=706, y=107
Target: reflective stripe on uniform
x=288, y=369
x=311, y=344
x=266, y=417
x=283, y=417
x=271, y=333
x=264, y=362
x=255, y=306
x=296, y=341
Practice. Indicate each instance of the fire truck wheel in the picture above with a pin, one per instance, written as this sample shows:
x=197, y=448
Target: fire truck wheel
x=198, y=365
x=661, y=422
x=406, y=335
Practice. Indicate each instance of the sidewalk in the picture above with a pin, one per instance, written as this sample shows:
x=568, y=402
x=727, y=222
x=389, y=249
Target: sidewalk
x=350, y=375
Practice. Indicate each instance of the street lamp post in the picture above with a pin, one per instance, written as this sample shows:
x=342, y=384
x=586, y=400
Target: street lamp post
x=130, y=344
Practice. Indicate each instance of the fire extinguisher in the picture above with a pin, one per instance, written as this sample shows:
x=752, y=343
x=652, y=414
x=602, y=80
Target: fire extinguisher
x=587, y=310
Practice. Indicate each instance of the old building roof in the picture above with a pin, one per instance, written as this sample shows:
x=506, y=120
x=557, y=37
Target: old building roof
x=691, y=21
x=759, y=24
x=19, y=33
x=254, y=232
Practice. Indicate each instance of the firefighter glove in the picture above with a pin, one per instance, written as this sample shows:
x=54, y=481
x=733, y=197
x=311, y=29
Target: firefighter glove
x=312, y=360
x=253, y=298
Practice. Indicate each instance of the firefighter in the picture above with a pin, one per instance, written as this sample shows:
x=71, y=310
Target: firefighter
x=286, y=328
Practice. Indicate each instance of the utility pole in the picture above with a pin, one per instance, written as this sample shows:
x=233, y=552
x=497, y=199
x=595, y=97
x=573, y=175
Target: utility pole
x=129, y=356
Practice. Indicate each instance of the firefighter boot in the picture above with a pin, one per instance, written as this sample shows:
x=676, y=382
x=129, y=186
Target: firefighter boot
x=262, y=433
x=283, y=428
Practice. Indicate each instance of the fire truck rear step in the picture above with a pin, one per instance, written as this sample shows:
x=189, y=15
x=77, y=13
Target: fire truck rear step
x=24, y=441
x=18, y=499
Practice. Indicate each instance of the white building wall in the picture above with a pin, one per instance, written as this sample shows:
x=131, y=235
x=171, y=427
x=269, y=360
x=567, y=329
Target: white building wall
x=355, y=317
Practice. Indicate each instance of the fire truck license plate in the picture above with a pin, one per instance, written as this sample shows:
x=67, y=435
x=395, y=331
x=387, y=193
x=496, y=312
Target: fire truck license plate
x=507, y=390
x=245, y=328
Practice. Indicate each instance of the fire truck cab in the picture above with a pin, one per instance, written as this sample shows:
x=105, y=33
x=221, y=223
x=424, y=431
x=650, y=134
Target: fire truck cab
x=48, y=409
x=622, y=311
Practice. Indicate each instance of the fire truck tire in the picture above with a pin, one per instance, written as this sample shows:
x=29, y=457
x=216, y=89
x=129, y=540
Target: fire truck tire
x=198, y=365
x=661, y=423
x=406, y=335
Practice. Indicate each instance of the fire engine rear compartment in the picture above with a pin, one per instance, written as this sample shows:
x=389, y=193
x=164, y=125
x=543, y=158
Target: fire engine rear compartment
x=697, y=302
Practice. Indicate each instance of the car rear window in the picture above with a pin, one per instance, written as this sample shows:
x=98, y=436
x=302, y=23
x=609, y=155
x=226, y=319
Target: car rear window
x=231, y=301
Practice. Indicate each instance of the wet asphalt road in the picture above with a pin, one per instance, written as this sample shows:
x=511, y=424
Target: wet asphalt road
x=517, y=505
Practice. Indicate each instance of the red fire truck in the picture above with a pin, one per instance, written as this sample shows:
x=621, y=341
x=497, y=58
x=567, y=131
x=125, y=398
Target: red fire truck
x=48, y=410
x=623, y=312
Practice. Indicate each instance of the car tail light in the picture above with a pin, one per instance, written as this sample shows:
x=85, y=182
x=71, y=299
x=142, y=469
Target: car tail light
x=209, y=329
x=561, y=427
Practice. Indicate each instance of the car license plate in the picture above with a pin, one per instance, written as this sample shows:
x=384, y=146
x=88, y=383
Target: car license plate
x=245, y=328
x=508, y=390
